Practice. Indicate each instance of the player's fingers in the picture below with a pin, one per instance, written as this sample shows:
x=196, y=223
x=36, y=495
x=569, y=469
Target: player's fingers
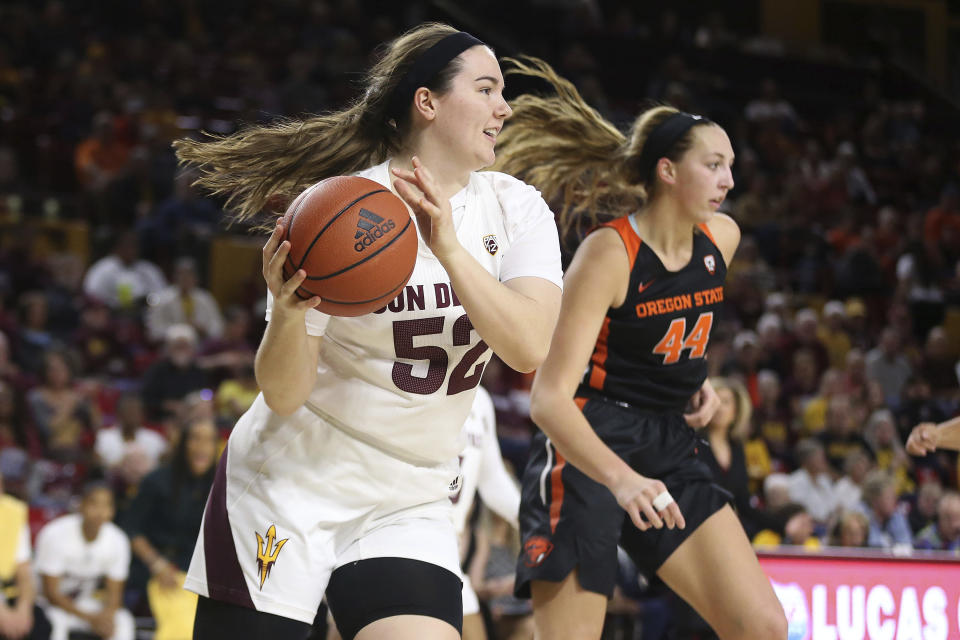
x=667, y=516
x=418, y=165
x=915, y=447
x=310, y=303
x=401, y=184
x=405, y=180
x=424, y=177
x=713, y=402
x=275, y=266
x=651, y=515
x=696, y=419
x=270, y=247
x=920, y=441
x=674, y=510
x=428, y=207
x=290, y=286
x=417, y=177
x=409, y=193
x=638, y=521
x=417, y=196
x=697, y=400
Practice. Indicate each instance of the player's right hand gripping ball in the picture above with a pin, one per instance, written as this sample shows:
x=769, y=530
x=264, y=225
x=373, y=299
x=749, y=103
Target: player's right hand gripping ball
x=356, y=241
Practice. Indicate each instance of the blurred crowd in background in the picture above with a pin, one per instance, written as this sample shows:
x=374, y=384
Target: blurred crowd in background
x=842, y=322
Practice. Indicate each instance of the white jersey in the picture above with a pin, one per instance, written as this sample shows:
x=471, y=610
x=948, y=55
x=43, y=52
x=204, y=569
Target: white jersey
x=81, y=565
x=403, y=378
x=481, y=467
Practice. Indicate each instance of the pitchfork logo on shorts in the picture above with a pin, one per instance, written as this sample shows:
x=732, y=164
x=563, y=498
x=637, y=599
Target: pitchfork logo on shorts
x=267, y=553
x=490, y=244
x=536, y=550
x=710, y=263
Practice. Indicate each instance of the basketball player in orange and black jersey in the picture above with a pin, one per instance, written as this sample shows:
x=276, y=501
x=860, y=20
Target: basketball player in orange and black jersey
x=650, y=350
x=627, y=356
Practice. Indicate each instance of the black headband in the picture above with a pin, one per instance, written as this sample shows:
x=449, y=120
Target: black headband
x=664, y=136
x=428, y=65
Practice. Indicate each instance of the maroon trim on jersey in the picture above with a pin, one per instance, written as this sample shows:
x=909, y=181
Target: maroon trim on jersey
x=706, y=231
x=598, y=372
x=225, y=580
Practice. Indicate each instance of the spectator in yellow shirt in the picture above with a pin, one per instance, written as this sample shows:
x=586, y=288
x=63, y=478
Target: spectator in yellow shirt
x=795, y=528
x=20, y=618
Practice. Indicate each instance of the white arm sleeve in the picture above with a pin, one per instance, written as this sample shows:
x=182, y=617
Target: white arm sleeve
x=495, y=485
x=534, y=242
x=535, y=254
x=316, y=322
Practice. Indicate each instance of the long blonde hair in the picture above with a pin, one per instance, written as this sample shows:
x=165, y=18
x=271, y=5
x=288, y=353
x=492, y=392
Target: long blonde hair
x=267, y=166
x=583, y=164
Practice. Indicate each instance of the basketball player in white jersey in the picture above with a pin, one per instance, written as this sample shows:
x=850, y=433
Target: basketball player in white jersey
x=83, y=560
x=337, y=480
x=481, y=470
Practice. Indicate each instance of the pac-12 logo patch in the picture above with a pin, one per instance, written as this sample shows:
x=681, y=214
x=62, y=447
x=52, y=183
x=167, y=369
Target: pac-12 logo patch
x=490, y=244
x=710, y=263
x=536, y=550
x=267, y=553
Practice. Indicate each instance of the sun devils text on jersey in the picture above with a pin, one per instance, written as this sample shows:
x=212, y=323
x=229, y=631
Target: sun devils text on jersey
x=651, y=350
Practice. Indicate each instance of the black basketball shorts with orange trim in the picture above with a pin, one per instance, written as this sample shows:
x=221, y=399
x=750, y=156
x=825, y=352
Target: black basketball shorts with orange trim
x=569, y=521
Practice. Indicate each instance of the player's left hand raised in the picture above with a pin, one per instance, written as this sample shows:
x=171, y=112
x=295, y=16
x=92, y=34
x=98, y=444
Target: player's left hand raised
x=705, y=403
x=434, y=216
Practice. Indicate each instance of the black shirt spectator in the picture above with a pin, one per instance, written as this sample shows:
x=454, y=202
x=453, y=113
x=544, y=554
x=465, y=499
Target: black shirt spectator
x=168, y=380
x=163, y=520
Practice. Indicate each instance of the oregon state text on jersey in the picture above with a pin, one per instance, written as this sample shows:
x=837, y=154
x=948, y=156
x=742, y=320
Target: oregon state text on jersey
x=650, y=350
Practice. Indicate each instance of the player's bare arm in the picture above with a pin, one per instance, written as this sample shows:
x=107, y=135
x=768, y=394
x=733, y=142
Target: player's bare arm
x=286, y=362
x=515, y=318
x=596, y=280
x=726, y=232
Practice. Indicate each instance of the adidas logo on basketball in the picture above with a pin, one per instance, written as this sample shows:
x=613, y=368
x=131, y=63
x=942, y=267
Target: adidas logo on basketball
x=370, y=227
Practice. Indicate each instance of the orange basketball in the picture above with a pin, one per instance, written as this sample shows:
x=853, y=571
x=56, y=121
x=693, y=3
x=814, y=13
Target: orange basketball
x=356, y=241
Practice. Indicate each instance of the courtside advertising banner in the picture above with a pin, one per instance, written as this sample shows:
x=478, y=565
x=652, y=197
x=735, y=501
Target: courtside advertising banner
x=828, y=597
